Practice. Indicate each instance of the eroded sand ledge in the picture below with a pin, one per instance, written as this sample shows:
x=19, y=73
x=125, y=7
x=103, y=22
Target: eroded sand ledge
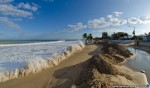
x=88, y=68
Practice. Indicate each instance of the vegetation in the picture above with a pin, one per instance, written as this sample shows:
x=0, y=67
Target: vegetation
x=88, y=38
x=105, y=35
x=84, y=35
x=119, y=35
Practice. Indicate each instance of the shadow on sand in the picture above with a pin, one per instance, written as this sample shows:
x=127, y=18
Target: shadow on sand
x=70, y=75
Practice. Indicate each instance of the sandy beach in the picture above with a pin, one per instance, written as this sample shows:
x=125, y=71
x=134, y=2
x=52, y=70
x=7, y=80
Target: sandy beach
x=74, y=44
x=79, y=71
x=65, y=73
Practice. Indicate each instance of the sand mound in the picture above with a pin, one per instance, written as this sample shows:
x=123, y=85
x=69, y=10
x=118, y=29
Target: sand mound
x=103, y=70
x=101, y=73
x=113, y=48
x=116, y=53
x=103, y=65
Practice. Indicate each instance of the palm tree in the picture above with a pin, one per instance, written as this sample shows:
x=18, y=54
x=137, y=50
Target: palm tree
x=104, y=35
x=85, y=37
x=90, y=37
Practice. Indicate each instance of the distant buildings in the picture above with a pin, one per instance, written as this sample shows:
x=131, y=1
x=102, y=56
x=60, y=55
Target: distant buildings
x=122, y=36
x=147, y=38
x=127, y=37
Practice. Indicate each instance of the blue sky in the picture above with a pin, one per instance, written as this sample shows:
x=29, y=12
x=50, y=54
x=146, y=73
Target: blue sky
x=69, y=19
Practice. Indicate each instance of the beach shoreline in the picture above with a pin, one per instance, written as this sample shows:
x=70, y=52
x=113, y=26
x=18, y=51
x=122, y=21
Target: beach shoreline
x=68, y=72
x=42, y=57
x=40, y=79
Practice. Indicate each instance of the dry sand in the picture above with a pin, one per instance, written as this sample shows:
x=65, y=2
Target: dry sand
x=61, y=76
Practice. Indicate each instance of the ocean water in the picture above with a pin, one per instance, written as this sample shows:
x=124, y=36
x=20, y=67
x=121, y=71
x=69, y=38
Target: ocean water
x=24, y=41
x=20, y=58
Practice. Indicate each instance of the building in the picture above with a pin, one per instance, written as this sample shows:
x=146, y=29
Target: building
x=146, y=38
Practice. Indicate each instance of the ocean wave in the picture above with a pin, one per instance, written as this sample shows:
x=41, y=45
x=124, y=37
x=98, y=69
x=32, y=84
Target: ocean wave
x=37, y=43
x=36, y=65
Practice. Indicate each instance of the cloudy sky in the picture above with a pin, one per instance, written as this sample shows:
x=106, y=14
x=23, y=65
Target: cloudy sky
x=69, y=19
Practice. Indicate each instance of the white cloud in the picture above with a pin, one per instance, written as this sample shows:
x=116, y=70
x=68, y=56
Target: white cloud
x=10, y=24
x=145, y=20
x=134, y=20
x=117, y=21
x=114, y=21
x=118, y=13
x=109, y=16
x=110, y=20
x=98, y=23
x=32, y=7
x=6, y=1
x=11, y=12
x=140, y=20
x=76, y=27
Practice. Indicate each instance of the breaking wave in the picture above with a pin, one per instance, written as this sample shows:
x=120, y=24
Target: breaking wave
x=36, y=65
x=39, y=43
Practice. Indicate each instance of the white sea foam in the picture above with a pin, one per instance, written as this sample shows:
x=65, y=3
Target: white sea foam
x=39, y=43
x=22, y=59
